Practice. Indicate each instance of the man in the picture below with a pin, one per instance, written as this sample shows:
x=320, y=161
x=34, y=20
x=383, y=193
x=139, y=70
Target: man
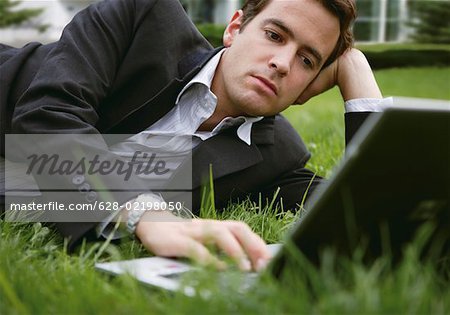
x=133, y=66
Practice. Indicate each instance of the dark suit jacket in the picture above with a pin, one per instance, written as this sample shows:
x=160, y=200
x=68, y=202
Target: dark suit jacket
x=118, y=68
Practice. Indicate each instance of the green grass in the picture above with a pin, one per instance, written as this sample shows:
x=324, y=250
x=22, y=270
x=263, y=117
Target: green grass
x=321, y=125
x=421, y=82
x=37, y=276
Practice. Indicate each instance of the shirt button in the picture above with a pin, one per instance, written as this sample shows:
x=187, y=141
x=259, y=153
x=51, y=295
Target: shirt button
x=78, y=179
x=91, y=196
x=85, y=187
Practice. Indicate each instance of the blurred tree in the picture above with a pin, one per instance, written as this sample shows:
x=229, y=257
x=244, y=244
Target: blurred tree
x=431, y=21
x=10, y=16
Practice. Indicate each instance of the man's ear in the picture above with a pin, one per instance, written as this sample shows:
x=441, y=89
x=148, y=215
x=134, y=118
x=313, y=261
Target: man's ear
x=232, y=28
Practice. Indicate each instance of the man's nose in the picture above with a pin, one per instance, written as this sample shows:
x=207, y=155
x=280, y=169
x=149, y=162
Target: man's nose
x=282, y=61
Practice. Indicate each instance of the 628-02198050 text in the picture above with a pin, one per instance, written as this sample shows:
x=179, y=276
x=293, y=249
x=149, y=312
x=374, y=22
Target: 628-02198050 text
x=97, y=205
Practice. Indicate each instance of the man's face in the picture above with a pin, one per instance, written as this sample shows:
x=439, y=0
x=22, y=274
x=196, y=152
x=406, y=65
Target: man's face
x=274, y=58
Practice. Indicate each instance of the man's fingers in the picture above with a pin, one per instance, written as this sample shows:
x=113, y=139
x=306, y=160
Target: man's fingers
x=188, y=239
x=227, y=242
x=252, y=244
x=178, y=241
x=218, y=233
x=235, y=239
x=200, y=254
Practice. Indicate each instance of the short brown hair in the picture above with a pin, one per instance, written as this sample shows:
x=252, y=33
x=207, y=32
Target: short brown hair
x=345, y=10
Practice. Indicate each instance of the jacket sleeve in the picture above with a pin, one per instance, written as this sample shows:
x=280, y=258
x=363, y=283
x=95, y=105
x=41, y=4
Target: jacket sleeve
x=63, y=99
x=78, y=73
x=353, y=121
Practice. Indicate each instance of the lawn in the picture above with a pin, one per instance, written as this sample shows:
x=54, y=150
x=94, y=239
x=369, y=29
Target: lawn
x=37, y=276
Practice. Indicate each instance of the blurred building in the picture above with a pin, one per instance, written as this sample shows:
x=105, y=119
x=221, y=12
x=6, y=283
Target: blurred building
x=378, y=20
x=211, y=11
x=382, y=21
x=56, y=14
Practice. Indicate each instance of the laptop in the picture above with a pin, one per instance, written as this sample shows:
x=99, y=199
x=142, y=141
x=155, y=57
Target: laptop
x=394, y=178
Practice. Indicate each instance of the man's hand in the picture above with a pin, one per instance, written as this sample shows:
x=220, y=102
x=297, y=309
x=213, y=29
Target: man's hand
x=166, y=235
x=351, y=72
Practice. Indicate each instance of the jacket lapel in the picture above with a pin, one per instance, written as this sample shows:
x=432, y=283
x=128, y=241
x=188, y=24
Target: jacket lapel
x=227, y=154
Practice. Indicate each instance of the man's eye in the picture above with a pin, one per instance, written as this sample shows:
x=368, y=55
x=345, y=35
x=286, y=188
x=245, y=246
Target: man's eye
x=307, y=62
x=273, y=36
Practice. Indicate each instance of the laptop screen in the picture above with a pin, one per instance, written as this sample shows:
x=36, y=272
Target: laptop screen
x=395, y=176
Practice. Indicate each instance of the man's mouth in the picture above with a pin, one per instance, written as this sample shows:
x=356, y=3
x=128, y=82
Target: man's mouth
x=267, y=84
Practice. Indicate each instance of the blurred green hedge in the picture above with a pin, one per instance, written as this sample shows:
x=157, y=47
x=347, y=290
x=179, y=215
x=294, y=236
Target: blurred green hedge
x=212, y=32
x=380, y=56
x=383, y=56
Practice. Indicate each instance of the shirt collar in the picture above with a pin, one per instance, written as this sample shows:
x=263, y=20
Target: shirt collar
x=204, y=78
x=205, y=75
x=245, y=126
